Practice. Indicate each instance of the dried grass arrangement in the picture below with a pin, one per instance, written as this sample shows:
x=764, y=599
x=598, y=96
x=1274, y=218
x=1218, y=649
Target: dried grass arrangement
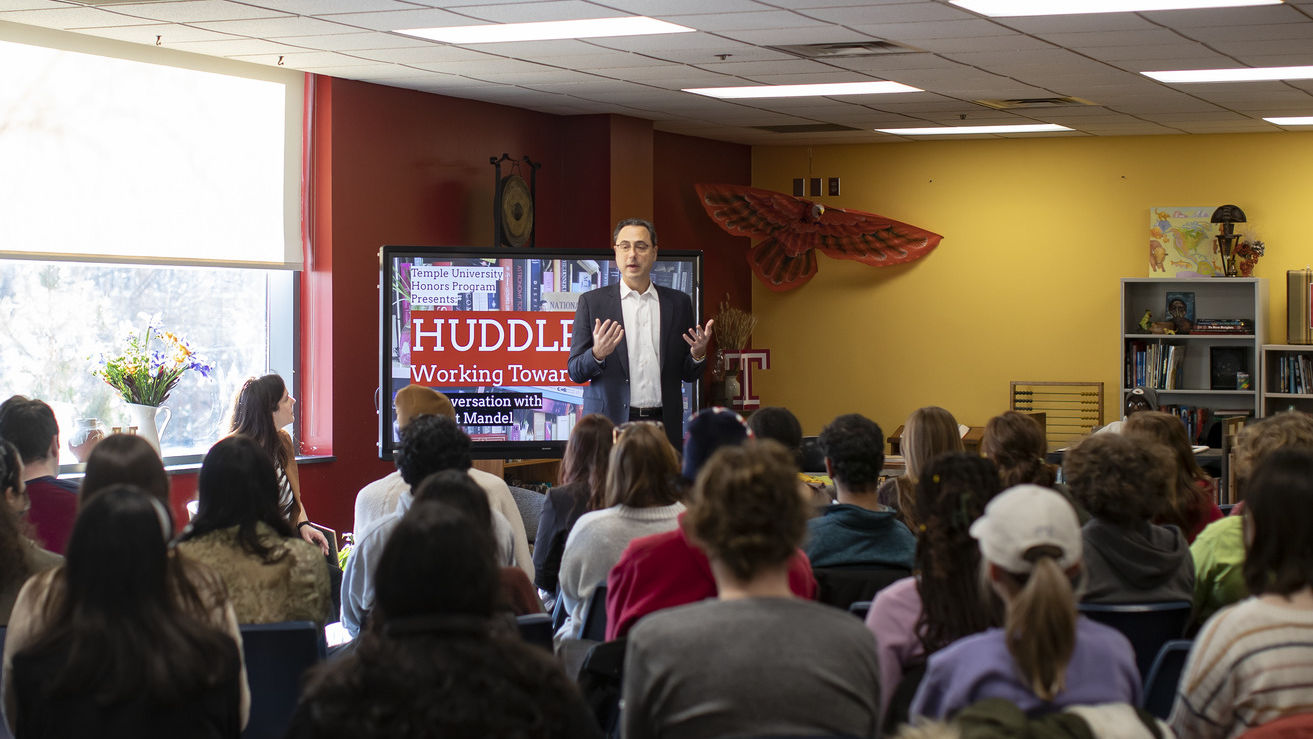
x=733, y=326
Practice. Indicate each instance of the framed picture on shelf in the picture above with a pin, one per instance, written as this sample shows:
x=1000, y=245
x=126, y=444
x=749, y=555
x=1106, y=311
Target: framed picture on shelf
x=1180, y=305
x=1224, y=364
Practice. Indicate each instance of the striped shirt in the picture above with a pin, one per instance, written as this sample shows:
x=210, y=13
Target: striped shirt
x=1252, y=663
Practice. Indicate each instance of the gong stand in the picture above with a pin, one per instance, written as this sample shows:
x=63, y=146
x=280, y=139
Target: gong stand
x=513, y=202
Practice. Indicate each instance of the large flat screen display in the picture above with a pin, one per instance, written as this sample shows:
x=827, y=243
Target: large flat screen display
x=491, y=329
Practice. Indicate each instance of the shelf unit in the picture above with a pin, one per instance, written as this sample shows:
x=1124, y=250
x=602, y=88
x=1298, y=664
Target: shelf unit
x=1217, y=298
x=1273, y=399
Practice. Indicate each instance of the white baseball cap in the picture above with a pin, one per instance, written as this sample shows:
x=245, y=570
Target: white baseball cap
x=1021, y=518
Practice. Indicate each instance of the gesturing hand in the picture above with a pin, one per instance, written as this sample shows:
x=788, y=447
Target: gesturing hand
x=606, y=335
x=698, y=338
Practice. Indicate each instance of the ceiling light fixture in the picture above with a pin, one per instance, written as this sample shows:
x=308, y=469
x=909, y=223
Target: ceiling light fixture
x=797, y=91
x=951, y=130
x=493, y=33
x=1003, y=8
x=1300, y=120
x=1239, y=74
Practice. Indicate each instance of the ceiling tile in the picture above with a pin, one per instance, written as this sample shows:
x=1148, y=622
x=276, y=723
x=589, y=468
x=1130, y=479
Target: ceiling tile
x=1006, y=44
x=1261, y=15
x=1195, y=53
x=274, y=28
x=775, y=20
x=421, y=54
x=355, y=41
x=320, y=7
x=71, y=17
x=808, y=35
x=1251, y=33
x=399, y=19
x=307, y=60
x=657, y=8
x=196, y=10
x=237, y=46
x=1087, y=23
x=891, y=13
x=913, y=32
x=170, y=35
x=553, y=10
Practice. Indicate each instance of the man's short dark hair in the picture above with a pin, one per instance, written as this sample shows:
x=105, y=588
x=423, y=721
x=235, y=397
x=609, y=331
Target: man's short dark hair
x=651, y=230
x=854, y=444
x=29, y=425
x=432, y=444
x=778, y=423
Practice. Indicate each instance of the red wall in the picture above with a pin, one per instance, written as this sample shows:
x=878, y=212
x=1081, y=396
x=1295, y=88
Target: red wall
x=394, y=166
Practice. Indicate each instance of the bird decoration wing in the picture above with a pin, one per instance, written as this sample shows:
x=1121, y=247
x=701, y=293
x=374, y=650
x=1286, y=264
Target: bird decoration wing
x=793, y=229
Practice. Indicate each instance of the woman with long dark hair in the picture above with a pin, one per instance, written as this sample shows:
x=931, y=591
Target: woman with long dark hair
x=19, y=555
x=124, y=459
x=263, y=407
x=434, y=660
x=1251, y=661
x=1016, y=444
x=118, y=641
x=271, y=574
x=582, y=489
x=1191, y=502
x=917, y=616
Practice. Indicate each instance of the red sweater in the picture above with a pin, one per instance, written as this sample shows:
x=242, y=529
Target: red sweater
x=665, y=570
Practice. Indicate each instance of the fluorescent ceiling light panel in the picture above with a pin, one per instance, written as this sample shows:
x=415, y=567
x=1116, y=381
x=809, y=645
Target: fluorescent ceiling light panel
x=493, y=33
x=1305, y=120
x=1240, y=74
x=798, y=91
x=951, y=130
x=1004, y=8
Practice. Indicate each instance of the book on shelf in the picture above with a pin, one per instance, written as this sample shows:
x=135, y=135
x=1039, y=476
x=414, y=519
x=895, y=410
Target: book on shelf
x=1157, y=366
x=1223, y=326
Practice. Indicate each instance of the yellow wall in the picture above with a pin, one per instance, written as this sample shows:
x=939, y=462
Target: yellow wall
x=1024, y=286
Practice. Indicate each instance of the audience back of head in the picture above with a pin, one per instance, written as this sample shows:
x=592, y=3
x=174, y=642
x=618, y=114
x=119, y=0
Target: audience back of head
x=586, y=456
x=708, y=431
x=1279, y=553
x=1016, y=443
x=431, y=444
x=460, y=491
x=30, y=426
x=854, y=447
x=128, y=459
x=1256, y=441
x=1117, y=479
x=237, y=486
x=777, y=423
x=643, y=469
x=1189, y=493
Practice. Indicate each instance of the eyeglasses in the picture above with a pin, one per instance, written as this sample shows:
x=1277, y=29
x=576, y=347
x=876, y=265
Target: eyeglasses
x=627, y=425
x=638, y=247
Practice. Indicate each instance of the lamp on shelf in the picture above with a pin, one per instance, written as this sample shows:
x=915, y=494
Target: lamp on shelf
x=1227, y=238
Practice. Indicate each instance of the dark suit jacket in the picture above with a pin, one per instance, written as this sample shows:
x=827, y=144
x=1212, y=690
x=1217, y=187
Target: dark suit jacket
x=607, y=391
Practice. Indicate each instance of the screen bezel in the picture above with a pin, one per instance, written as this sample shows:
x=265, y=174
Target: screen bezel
x=537, y=449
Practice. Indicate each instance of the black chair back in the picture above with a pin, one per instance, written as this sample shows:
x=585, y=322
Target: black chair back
x=1160, y=687
x=860, y=609
x=536, y=628
x=843, y=586
x=594, y=626
x=277, y=657
x=1148, y=625
x=600, y=682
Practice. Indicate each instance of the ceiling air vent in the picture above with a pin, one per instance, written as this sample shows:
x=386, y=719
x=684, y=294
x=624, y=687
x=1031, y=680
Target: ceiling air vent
x=1021, y=103
x=847, y=49
x=808, y=128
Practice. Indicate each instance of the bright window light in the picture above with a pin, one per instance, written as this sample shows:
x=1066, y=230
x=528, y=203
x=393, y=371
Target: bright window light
x=998, y=8
x=494, y=33
x=1299, y=120
x=951, y=130
x=798, y=91
x=1241, y=74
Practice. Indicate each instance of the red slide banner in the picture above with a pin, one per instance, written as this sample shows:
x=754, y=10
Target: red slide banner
x=481, y=348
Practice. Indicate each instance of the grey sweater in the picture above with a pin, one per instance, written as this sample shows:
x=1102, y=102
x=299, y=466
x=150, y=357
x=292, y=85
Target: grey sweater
x=1141, y=563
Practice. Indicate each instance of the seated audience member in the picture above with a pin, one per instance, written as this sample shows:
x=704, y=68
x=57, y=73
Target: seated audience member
x=1219, y=551
x=1016, y=444
x=458, y=490
x=779, y=424
x=642, y=497
x=858, y=530
x=666, y=570
x=1121, y=482
x=19, y=555
x=271, y=573
x=1139, y=400
x=429, y=444
x=756, y=660
x=118, y=641
x=124, y=459
x=380, y=498
x=1191, y=496
x=1045, y=657
x=30, y=425
x=582, y=489
x=918, y=616
x=928, y=432
x=434, y=662
x=1251, y=662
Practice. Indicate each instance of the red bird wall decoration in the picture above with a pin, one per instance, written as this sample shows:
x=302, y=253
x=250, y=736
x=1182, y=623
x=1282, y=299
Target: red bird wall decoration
x=793, y=230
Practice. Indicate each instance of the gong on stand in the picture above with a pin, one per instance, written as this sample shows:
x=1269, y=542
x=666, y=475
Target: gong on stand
x=512, y=207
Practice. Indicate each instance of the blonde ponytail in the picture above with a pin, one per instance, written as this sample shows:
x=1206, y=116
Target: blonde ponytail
x=1041, y=624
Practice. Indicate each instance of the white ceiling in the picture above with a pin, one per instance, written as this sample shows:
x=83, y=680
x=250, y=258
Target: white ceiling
x=959, y=57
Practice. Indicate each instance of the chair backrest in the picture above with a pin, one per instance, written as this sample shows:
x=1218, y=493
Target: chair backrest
x=1298, y=726
x=277, y=656
x=1160, y=685
x=530, y=504
x=1147, y=625
x=843, y=586
x=536, y=628
x=860, y=609
x=811, y=457
x=594, y=626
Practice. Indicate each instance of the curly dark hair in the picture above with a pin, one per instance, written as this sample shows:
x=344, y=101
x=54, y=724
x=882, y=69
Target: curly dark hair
x=778, y=423
x=1016, y=443
x=950, y=496
x=586, y=456
x=854, y=444
x=746, y=511
x=1118, y=479
x=237, y=486
x=431, y=444
x=1279, y=503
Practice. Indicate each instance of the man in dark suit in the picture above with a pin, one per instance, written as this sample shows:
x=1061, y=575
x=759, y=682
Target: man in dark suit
x=635, y=342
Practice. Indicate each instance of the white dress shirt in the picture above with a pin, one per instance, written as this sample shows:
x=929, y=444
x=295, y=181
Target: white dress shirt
x=642, y=319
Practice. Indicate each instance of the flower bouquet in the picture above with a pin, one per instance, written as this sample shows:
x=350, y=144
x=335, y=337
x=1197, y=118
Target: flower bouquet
x=150, y=366
x=1247, y=255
